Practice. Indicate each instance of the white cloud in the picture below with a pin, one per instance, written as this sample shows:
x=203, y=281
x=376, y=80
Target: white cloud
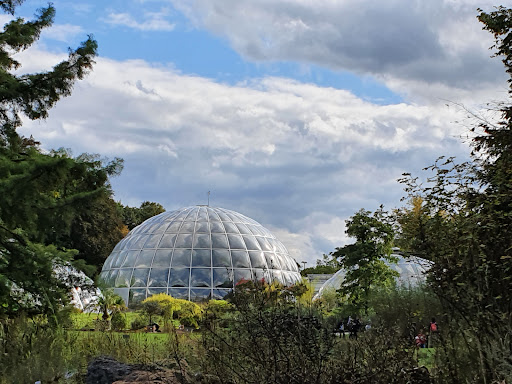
x=417, y=48
x=152, y=21
x=296, y=157
x=62, y=32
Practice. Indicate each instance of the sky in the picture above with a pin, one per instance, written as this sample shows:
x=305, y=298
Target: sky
x=296, y=113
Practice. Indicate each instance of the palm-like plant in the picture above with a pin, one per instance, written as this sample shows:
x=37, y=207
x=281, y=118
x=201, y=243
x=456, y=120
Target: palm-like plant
x=109, y=303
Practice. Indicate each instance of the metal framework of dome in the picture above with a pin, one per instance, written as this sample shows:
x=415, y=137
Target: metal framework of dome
x=411, y=273
x=195, y=253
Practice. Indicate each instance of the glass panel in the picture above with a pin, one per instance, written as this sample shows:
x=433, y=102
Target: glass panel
x=292, y=263
x=192, y=215
x=276, y=276
x=158, y=228
x=174, y=227
x=280, y=247
x=213, y=215
x=223, y=216
x=148, y=228
x=200, y=277
x=179, y=277
x=139, y=244
x=136, y=296
x=103, y=276
x=184, y=241
x=251, y=243
x=201, y=258
x=200, y=294
x=156, y=291
x=202, y=227
x=188, y=227
x=162, y=258
x=108, y=263
x=130, y=242
x=152, y=241
x=178, y=293
x=221, y=258
x=255, y=229
x=182, y=214
x=234, y=217
x=231, y=228
x=109, y=277
x=131, y=256
x=167, y=241
x=242, y=228
x=242, y=275
x=114, y=260
x=282, y=262
x=202, y=216
x=219, y=241
x=258, y=260
x=120, y=259
x=219, y=294
x=261, y=274
x=264, y=244
x=236, y=242
x=158, y=277
x=272, y=243
x=240, y=259
x=181, y=258
x=124, y=277
x=140, y=277
x=286, y=279
x=217, y=227
x=222, y=278
x=295, y=278
x=145, y=258
x=120, y=245
x=112, y=277
x=202, y=240
x=124, y=293
x=272, y=262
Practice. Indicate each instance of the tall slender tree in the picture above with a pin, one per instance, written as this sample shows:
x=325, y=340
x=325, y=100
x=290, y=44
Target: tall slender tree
x=365, y=260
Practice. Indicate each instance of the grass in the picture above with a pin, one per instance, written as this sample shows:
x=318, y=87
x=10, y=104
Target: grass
x=86, y=320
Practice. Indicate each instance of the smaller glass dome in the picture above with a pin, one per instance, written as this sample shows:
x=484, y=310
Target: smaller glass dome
x=412, y=273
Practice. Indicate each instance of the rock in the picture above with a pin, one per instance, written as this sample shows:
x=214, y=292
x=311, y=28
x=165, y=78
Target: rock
x=106, y=370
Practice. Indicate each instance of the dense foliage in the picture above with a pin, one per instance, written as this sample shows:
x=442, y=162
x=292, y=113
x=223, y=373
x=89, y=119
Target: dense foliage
x=461, y=219
x=365, y=260
x=133, y=216
x=55, y=208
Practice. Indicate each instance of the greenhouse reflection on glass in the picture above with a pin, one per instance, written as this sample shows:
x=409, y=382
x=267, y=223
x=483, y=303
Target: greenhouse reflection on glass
x=195, y=253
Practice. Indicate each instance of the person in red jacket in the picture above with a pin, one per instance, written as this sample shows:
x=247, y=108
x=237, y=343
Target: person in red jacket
x=421, y=339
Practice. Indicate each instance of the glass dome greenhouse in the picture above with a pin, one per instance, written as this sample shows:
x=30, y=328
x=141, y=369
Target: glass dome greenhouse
x=195, y=253
x=411, y=273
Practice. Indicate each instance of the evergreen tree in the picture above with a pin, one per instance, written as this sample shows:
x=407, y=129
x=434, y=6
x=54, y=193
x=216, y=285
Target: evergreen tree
x=40, y=192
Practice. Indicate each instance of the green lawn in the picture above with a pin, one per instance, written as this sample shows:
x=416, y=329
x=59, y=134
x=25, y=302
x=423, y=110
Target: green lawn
x=87, y=320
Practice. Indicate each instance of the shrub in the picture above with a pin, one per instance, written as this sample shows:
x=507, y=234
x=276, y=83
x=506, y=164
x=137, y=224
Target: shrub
x=118, y=321
x=138, y=323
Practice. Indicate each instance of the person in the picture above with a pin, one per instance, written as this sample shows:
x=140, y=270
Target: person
x=421, y=339
x=342, y=329
x=356, y=326
x=432, y=334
